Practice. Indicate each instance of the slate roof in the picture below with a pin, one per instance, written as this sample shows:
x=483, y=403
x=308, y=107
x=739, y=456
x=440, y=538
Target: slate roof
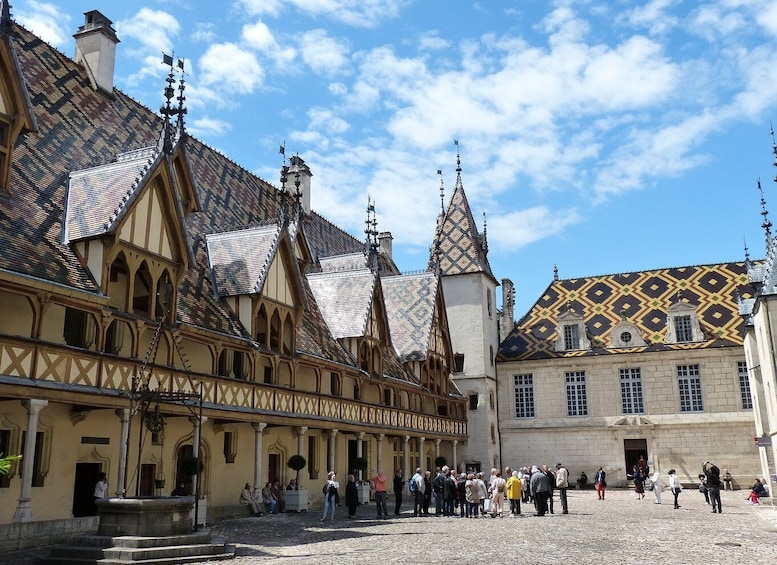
x=345, y=300
x=410, y=308
x=240, y=259
x=80, y=134
x=97, y=197
x=643, y=298
x=459, y=245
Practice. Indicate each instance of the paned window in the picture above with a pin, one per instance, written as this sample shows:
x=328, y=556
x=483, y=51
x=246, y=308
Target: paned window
x=577, y=401
x=571, y=339
x=524, y=396
x=744, y=386
x=689, y=383
x=683, y=330
x=631, y=391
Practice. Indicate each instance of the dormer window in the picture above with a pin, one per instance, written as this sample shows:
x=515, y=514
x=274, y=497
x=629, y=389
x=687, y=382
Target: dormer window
x=571, y=332
x=626, y=334
x=682, y=324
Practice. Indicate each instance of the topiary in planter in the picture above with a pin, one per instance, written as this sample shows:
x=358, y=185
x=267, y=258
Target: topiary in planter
x=359, y=464
x=440, y=462
x=297, y=463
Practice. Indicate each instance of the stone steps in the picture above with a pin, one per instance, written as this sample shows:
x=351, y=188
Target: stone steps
x=186, y=548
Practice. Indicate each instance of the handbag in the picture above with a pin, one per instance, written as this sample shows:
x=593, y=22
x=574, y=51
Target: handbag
x=487, y=505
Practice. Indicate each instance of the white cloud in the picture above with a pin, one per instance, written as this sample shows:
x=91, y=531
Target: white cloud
x=432, y=42
x=323, y=54
x=205, y=127
x=230, y=68
x=357, y=13
x=204, y=32
x=154, y=31
x=325, y=120
x=259, y=36
x=516, y=229
x=654, y=16
x=47, y=21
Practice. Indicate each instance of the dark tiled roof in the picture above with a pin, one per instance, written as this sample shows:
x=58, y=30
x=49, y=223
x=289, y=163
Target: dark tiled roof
x=79, y=129
x=461, y=248
x=410, y=308
x=643, y=298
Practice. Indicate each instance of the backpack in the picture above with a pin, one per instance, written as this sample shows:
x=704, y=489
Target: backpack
x=412, y=486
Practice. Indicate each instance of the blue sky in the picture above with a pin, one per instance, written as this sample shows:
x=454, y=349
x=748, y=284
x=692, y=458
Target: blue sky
x=599, y=136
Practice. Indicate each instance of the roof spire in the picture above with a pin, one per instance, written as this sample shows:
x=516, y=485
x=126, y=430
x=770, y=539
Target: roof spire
x=283, y=210
x=371, y=244
x=766, y=224
x=774, y=147
x=181, y=99
x=442, y=193
x=458, y=163
x=484, y=244
x=167, y=111
x=5, y=17
x=747, y=254
x=297, y=206
x=555, y=273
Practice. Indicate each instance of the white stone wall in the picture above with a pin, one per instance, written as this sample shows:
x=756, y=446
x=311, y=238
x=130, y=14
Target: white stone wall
x=722, y=432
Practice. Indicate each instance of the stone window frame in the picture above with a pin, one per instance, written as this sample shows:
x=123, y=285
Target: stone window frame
x=571, y=318
x=617, y=340
x=577, y=394
x=677, y=311
x=523, y=390
x=689, y=388
x=632, y=399
x=745, y=393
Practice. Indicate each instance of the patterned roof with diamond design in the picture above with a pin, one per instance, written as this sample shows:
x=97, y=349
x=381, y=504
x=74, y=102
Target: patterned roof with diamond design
x=461, y=248
x=410, y=301
x=641, y=298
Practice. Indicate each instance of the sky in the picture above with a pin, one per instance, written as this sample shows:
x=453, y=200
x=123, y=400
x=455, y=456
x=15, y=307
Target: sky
x=598, y=136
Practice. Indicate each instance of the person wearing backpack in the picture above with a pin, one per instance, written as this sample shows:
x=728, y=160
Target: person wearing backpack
x=330, y=495
x=417, y=487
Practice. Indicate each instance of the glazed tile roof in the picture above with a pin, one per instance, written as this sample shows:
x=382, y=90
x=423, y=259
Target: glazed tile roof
x=460, y=247
x=240, y=259
x=97, y=197
x=643, y=298
x=345, y=300
x=80, y=129
x=410, y=308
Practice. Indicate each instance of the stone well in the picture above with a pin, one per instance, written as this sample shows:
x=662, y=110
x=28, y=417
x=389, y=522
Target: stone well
x=149, y=517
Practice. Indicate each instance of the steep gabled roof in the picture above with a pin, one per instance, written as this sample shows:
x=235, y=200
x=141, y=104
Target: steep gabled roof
x=410, y=308
x=643, y=298
x=459, y=246
x=240, y=259
x=345, y=300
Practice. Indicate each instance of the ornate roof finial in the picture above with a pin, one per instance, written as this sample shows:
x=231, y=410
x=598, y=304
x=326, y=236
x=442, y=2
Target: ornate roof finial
x=167, y=110
x=766, y=224
x=371, y=244
x=442, y=193
x=555, y=273
x=5, y=17
x=283, y=207
x=747, y=252
x=181, y=99
x=297, y=194
x=484, y=244
x=774, y=147
x=458, y=163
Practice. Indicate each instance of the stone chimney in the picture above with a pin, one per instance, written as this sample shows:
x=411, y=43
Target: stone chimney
x=296, y=164
x=507, y=321
x=384, y=239
x=96, y=49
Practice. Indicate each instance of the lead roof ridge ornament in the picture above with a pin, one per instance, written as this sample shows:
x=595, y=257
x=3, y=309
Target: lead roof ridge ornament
x=167, y=110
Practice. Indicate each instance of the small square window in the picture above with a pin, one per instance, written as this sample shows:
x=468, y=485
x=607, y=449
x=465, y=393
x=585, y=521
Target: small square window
x=473, y=401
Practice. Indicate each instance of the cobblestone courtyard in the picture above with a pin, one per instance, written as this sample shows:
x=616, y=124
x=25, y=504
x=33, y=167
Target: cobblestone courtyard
x=618, y=530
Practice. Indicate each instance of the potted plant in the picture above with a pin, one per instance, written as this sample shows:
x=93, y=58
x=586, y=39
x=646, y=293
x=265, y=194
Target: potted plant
x=6, y=461
x=440, y=462
x=159, y=481
x=297, y=499
x=359, y=464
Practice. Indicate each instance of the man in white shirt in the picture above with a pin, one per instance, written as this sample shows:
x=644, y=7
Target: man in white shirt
x=418, y=495
x=562, y=484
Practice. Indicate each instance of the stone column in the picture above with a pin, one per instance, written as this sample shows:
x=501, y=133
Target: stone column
x=379, y=457
x=360, y=451
x=332, y=458
x=300, y=432
x=436, y=449
x=197, y=423
x=406, y=457
x=258, y=429
x=23, y=511
x=455, y=458
x=421, y=456
x=124, y=418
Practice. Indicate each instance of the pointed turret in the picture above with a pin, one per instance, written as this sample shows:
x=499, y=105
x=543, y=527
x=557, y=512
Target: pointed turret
x=459, y=245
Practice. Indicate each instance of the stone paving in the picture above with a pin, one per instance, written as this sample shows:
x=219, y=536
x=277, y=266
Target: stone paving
x=618, y=530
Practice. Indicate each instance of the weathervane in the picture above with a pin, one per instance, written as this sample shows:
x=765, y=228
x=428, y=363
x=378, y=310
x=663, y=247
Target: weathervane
x=283, y=208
